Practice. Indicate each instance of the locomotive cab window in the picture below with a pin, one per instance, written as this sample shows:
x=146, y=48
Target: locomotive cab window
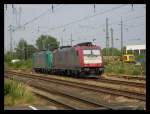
x=87, y=52
x=96, y=52
x=93, y=52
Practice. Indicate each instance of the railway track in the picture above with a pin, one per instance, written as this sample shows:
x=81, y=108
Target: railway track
x=131, y=77
x=77, y=102
x=121, y=76
x=120, y=82
x=133, y=95
x=117, y=81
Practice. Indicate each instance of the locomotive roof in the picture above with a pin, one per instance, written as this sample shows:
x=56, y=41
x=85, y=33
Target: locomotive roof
x=84, y=44
x=65, y=47
x=42, y=51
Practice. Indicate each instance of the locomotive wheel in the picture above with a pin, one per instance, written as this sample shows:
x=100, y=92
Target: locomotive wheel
x=68, y=72
x=81, y=74
x=76, y=74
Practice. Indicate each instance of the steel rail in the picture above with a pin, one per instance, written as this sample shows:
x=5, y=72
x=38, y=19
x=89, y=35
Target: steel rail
x=107, y=90
x=72, y=96
x=129, y=77
x=113, y=81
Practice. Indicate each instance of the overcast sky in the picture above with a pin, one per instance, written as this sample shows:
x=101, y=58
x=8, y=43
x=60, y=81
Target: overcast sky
x=80, y=20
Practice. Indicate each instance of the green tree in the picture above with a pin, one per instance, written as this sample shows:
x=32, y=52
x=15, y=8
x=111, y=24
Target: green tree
x=24, y=50
x=124, y=50
x=7, y=56
x=20, y=49
x=47, y=42
x=30, y=50
x=116, y=52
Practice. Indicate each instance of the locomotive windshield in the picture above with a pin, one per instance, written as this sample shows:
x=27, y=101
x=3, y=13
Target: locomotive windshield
x=96, y=52
x=93, y=52
x=92, y=56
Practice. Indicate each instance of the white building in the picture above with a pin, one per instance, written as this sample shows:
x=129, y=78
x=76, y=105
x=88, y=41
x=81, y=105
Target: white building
x=140, y=49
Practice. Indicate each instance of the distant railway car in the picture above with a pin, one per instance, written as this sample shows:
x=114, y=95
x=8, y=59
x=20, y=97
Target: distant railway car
x=82, y=59
x=42, y=61
x=129, y=58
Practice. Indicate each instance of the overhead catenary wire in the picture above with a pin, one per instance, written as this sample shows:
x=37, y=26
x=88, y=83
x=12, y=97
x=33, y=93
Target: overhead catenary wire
x=34, y=19
x=87, y=17
x=102, y=25
x=13, y=29
x=94, y=35
x=127, y=20
x=54, y=28
x=91, y=25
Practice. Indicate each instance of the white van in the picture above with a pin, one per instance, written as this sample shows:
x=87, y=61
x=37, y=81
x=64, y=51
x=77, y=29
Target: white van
x=15, y=60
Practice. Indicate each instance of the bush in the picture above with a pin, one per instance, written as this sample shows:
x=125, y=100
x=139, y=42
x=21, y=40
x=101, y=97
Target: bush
x=121, y=71
x=28, y=63
x=108, y=69
x=136, y=71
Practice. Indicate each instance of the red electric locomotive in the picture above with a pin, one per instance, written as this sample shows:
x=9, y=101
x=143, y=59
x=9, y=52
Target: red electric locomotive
x=84, y=59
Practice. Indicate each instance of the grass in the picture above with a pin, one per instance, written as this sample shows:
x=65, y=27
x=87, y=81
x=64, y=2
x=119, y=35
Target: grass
x=140, y=108
x=127, y=68
x=27, y=64
x=16, y=93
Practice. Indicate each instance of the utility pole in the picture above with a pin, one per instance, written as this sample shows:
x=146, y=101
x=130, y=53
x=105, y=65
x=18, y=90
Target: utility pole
x=121, y=37
x=71, y=39
x=122, y=40
x=62, y=41
x=24, y=51
x=107, y=40
x=52, y=8
x=14, y=56
x=94, y=8
x=10, y=29
x=62, y=36
x=27, y=52
x=20, y=10
x=43, y=41
x=38, y=29
x=112, y=42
